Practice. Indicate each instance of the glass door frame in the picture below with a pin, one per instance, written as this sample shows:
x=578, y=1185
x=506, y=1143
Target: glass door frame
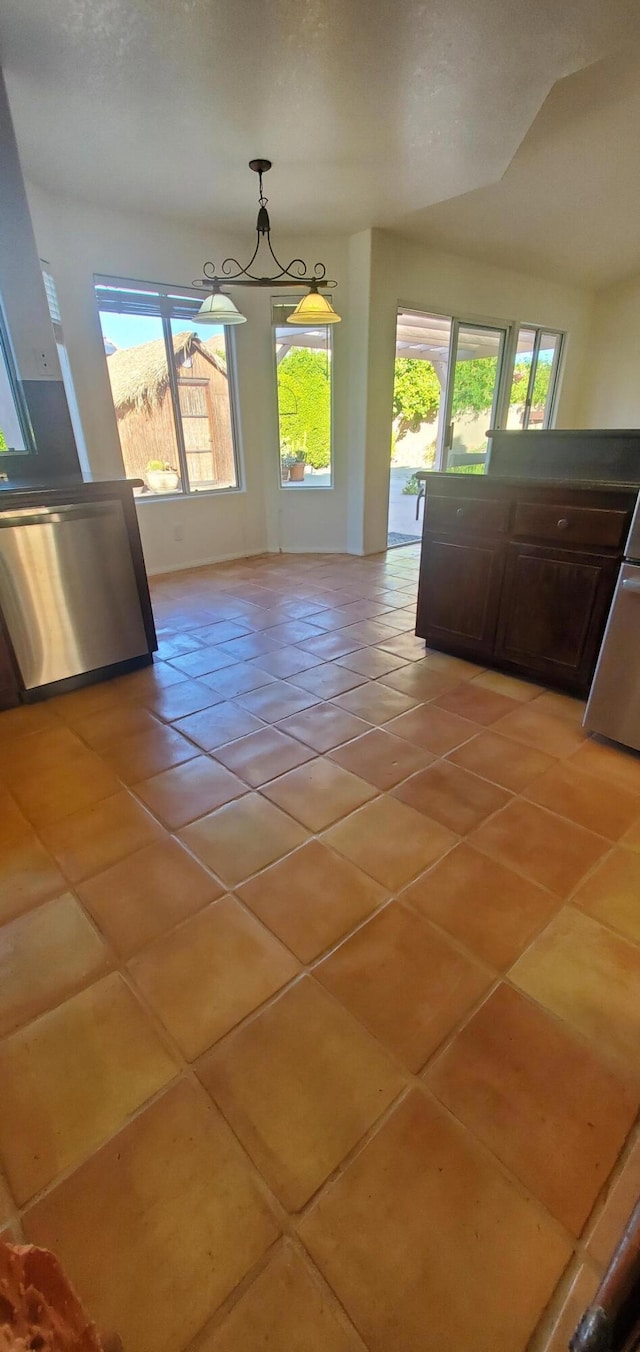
x=508, y=339
x=553, y=377
x=509, y=330
x=540, y=331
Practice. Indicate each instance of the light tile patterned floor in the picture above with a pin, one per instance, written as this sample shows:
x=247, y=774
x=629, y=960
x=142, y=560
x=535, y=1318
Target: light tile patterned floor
x=319, y=980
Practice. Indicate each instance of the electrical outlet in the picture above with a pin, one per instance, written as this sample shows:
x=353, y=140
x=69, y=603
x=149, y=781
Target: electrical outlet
x=42, y=363
x=178, y=533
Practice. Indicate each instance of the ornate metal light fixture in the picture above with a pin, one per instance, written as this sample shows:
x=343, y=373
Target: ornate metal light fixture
x=219, y=308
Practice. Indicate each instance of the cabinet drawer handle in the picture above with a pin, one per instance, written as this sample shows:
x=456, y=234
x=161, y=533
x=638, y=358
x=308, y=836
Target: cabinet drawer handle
x=562, y=523
x=460, y=511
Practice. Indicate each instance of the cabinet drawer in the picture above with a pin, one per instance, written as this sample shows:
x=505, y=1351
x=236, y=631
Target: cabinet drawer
x=570, y=525
x=489, y=515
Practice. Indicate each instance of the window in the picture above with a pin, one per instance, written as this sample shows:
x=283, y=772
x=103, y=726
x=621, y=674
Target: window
x=172, y=386
x=303, y=381
x=535, y=379
x=15, y=432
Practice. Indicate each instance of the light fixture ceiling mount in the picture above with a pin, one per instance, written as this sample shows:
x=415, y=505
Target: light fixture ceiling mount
x=219, y=308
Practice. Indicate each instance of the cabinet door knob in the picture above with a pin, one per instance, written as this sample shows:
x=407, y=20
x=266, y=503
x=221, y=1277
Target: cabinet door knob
x=562, y=523
x=460, y=511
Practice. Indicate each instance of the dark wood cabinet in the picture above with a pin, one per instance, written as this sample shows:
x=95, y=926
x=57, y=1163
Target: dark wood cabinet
x=9, y=686
x=553, y=607
x=460, y=588
x=521, y=575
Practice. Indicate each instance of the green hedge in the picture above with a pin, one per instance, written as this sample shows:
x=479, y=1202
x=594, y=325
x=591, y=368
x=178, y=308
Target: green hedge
x=304, y=405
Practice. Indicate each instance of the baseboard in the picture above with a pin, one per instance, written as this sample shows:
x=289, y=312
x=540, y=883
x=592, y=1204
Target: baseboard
x=184, y=567
x=249, y=554
x=252, y=554
x=309, y=549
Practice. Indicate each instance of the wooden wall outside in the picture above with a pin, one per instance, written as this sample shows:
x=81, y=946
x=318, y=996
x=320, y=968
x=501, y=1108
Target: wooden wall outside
x=149, y=433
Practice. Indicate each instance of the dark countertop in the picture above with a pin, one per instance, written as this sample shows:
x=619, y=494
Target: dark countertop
x=29, y=492
x=523, y=481
x=585, y=455
x=623, y=433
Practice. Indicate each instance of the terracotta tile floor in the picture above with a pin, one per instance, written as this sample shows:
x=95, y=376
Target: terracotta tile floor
x=319, y=980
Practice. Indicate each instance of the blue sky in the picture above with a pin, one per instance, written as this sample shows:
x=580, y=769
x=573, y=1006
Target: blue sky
x=130, y=330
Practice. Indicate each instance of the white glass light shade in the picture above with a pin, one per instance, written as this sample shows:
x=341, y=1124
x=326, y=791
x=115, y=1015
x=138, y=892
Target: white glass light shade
x=313, y=309
x=219, y=309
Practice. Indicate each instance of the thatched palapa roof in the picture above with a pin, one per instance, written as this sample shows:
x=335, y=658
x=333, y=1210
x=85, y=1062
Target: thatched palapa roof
x=139, y=375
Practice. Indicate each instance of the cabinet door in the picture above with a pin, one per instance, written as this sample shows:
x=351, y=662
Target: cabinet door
x=553, y=612
x=459, y=594
x=9, y=687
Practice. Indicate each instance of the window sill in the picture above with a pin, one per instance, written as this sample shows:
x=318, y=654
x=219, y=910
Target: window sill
x=188, y=497
x=307, y=488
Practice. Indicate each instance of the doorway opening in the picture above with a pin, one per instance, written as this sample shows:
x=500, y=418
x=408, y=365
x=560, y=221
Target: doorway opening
x=454, y=380
x=448, y=385
x=423, y=344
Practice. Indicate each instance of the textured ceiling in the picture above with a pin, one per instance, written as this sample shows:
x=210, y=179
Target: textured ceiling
x=372, y=110
x=568, y=205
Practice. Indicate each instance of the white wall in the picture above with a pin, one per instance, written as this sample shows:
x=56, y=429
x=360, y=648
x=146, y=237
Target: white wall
x=360, y=261
x=376, y=272
x=610, y=393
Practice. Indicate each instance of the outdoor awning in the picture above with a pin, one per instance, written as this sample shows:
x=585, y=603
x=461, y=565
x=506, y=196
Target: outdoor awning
x=426, y=337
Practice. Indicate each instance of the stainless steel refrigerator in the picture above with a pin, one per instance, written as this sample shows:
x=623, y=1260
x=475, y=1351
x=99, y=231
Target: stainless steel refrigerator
x=613, y=707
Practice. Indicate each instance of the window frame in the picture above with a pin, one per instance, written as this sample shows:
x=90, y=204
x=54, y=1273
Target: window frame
x=289, y=302
x=164, y=294
x=555, y=379
x=17, y=393
x=458, y=322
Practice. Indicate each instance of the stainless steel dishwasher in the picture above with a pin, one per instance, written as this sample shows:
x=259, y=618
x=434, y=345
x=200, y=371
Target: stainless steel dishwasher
x=68, y=590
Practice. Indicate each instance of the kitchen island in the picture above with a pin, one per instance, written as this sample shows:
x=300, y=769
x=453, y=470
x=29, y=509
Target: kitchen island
x=74, y=597
x=519, y=573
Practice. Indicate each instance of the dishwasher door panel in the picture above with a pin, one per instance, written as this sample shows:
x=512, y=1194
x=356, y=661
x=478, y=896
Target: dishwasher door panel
x=613, y=708
x=68, y=590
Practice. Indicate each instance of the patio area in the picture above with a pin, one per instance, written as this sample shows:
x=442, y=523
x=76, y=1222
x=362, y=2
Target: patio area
x=403, y=527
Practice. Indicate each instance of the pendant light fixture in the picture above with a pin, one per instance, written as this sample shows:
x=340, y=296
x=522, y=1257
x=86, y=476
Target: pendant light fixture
x=218, y=308
x=313, y=309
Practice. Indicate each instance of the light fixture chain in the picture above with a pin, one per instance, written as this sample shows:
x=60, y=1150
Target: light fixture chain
x=232, y=272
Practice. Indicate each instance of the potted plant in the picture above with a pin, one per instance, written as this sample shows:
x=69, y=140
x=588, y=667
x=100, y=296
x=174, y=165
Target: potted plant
x=297, y=469
x=161, y=476
x=286, y=462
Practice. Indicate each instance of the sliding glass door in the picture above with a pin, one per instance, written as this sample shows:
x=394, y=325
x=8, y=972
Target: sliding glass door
x=535, y=379
x=456, y=378
x=423, y=344
x=473, y=393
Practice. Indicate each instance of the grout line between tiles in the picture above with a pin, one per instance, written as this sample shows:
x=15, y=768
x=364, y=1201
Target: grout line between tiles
x=581, y=1254
x=188, y=1070
x=415, y=1081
